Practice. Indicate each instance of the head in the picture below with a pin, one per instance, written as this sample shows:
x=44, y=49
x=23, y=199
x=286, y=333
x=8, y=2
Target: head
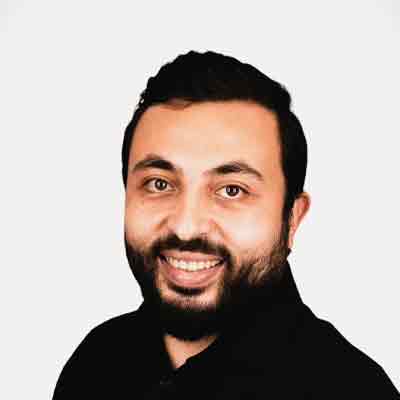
x=214, y=164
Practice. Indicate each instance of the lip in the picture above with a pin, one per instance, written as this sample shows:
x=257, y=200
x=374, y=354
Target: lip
x=190, y=279
x=189, y=256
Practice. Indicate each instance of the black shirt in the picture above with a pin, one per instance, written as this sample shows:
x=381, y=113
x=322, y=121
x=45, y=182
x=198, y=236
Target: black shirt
x=279, y=350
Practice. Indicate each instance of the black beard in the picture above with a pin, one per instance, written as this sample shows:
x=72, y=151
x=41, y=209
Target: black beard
x=239, y=291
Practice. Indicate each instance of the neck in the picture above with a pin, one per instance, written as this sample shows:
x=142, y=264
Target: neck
x=180, y=350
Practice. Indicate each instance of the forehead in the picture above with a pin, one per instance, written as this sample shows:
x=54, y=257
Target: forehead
x=201, y=135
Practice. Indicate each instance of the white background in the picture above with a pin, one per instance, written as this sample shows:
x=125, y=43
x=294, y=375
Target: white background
x=71, y=74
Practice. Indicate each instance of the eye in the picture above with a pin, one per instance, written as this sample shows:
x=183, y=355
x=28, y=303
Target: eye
x=232, y=191
x=156, y=185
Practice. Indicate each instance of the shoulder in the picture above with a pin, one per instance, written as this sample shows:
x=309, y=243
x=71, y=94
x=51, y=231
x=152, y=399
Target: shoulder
x=109, y=333
x=324, y=341
x=100, y=355
x=339, y=365
x=117, y=338
x=105, y=337
x=115, y=327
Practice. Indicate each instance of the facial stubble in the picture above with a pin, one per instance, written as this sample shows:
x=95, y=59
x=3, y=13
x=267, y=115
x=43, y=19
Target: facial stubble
x=241, y=289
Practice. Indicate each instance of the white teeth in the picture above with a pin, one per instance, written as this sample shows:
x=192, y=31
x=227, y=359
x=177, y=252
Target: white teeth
x=191, y=265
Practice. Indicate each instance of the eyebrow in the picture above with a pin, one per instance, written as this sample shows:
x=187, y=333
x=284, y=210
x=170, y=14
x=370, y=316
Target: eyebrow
x=230, y=167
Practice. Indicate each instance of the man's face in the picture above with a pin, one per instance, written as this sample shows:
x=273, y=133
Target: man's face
x=203, y=217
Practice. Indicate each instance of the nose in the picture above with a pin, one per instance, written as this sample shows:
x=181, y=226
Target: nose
x=189, y=218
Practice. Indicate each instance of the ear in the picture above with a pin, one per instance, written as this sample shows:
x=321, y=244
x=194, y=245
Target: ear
x=299, y=210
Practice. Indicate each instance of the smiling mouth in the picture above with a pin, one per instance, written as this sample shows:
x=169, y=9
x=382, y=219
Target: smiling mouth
x=191, y=265
x=189, y=273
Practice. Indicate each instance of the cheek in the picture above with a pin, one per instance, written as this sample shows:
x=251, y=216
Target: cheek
x=141, y=220
x=248, y=232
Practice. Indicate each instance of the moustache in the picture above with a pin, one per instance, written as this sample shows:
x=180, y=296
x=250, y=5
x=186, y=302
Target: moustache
x=200, y=245
x=142, y=262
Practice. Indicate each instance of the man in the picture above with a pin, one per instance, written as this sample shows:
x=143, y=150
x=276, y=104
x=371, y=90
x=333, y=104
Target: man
x=214, y=164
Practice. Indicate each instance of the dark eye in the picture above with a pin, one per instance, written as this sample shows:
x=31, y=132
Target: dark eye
x=157, y=185
x=232, y=191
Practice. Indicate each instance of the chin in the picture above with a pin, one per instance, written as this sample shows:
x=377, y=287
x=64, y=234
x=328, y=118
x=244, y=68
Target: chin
x=189, y=299
x=189, y=317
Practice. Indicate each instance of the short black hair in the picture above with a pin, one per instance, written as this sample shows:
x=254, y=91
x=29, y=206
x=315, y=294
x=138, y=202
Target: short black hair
x=199, y=77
